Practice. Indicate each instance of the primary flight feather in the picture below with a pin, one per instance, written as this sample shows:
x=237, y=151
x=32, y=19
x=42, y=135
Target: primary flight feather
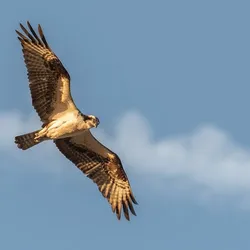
x=49, y=84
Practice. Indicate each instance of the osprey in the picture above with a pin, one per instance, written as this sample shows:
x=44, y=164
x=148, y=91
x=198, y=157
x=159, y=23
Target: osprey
x=49, y=84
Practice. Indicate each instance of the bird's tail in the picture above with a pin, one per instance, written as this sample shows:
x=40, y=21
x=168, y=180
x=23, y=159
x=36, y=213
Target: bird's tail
x=27, y=140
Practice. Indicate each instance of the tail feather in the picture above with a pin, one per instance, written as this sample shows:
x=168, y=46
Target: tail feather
x=27, y=140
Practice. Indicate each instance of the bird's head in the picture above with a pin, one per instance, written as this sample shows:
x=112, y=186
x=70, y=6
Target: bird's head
x=92, y=120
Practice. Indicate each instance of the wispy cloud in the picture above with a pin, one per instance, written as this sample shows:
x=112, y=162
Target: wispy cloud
x=12, y=124
x=206, y=159
x=15, y=123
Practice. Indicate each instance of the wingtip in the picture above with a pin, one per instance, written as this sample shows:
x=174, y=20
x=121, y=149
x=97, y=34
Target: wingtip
x=127, y=216
x=29, y=25
x=133, y=199
x=133, y=212
x=118, y=215
x=22, y=27
x=40, y=30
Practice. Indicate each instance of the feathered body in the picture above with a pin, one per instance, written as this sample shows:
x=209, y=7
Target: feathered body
x=63, y=123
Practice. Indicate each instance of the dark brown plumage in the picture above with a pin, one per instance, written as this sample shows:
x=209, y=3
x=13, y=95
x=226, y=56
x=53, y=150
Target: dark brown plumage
x=49, y=84
x=102, y=166
x=26, y=141
x=45, y=73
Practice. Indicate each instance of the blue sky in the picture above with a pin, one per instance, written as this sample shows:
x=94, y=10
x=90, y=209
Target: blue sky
x=169, y=81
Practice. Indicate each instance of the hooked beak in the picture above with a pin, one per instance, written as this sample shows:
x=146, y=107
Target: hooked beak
x=97, y=122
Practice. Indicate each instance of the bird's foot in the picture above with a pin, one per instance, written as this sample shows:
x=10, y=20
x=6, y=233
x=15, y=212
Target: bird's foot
x=39, y=137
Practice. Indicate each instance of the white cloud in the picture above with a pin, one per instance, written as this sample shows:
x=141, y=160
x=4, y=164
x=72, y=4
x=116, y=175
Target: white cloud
x=205, y=161
x=13, y=123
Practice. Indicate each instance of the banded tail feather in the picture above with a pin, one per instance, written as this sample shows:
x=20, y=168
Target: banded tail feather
x=26, y=141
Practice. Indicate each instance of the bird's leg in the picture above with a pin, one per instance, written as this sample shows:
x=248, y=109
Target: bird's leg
x=41, y=134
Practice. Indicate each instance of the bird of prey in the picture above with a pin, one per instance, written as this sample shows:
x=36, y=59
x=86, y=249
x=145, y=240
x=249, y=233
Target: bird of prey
x=62, y=122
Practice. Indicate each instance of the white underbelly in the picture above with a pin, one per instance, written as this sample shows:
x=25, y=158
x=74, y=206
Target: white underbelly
x=65, y=126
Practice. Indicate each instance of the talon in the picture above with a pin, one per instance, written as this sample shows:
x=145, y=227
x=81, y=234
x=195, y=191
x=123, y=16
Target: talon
x=36, y=138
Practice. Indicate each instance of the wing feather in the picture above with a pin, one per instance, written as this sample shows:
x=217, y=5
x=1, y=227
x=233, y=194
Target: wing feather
x=49, y=81
x=34, y=34
x=103, y=167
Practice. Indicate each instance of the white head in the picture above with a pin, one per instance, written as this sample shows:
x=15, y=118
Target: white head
x=92, y=121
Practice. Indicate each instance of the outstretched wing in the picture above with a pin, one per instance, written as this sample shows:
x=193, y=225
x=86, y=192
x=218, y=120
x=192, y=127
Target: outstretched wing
x=103, y=167
x=49, y=81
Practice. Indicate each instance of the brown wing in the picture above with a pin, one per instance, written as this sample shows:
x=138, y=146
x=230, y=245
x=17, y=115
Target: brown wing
x=49, y=81
x=103, y=167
